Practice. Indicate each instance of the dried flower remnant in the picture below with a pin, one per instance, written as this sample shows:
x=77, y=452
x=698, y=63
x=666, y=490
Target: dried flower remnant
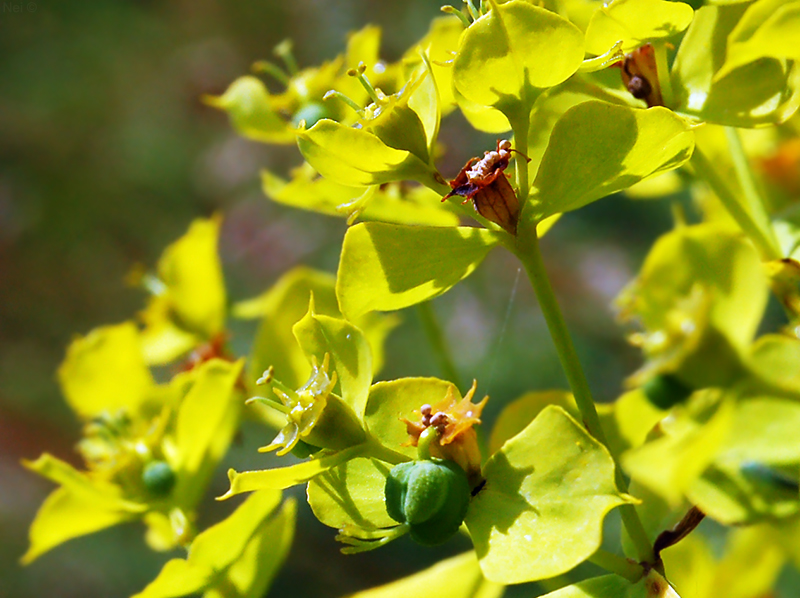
x=640, y=77
x=453, y=420
x=483, y=181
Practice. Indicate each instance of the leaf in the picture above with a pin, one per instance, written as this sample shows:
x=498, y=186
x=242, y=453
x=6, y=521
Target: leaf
x=635, y=23
x=757, y=93
x=440, y=44
x=252, y=573
x=214, y=550
x=351, y=495
x=392, y=202
x=768, y=28
x=390, y=401
x=356, y=157
x=207, y=416
x=349, y=352
x=510, y=54
x=612, y=586
x=517, y=414
x=776, y=359
x=463, y=580
x=65, y=515
x=247, y=103
x=541, y=510
x=191, y=270
x=628, y=420
x=105, y=371
x=281, y=478
x=387, y=267
x=597, y=149
x=670, y=465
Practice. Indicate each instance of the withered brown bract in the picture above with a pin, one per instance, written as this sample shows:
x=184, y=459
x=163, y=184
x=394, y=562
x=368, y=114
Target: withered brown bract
x=640, y=77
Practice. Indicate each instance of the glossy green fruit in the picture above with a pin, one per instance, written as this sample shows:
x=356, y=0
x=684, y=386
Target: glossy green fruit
x=311, y=113
x=666, y=390
x=158, y=478
x=430, y=496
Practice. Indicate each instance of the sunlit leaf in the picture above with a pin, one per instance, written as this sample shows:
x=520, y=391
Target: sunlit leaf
x=463, y=580
x=215, y=550
x=349, y=353
x=281, y=478
x=351, y=495
x=635, y=23
x=390, y=401
x=105, y=371
x=356, y=157
x=760, y=92
x=541, y=510
x=65, y=515
x=386, y=267
x=769, y=28
x=207, y=415
x=511, y=53
x=247, y=103
x=628, y=420
x=612, y=586
x=597, y=149
x=517, y=414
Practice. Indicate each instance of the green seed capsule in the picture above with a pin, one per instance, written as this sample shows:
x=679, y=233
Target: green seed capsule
x=158, y=478
x=666, y=390
x=430, y=496
x=311, y=113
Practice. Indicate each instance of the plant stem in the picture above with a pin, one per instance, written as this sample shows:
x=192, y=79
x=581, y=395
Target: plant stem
x=430, y=323
x=527, y=250
x=616, y=564
x=762, y=239
x=662, y=70
x=754, y=200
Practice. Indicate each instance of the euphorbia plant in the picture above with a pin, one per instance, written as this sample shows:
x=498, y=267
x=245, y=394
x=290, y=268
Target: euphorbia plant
x=706, y=427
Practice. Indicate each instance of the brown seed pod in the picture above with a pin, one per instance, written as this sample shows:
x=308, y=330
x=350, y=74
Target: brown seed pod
x=483, y=181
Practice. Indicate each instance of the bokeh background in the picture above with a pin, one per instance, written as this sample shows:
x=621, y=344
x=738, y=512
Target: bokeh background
x=107, y=153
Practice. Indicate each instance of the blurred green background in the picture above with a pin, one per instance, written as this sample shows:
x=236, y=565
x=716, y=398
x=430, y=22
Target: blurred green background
x=107, y=153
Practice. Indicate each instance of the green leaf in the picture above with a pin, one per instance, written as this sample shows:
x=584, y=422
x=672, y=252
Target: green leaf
x=351, y=495
x=597, y=149
x=392, y=202
x=517, y=414
x=356, y=157
x=440, y=44
x=65, y=515
x=463, y=580
x=215, y=550
x=671, y=464
x=105, y=371
x=349, y=352
x=191, y=270
x=628, y=420
x=248, y=105
x=281, y=478
x=775, y=359
x=510, y=54
x=635, y=23
x=769, y=28
x=541, y=510
x=612, y=586
x=252, y=573
x=760, y=92
x=207, y=420
x=387, y=267
x=710, y=256
x=391, y=401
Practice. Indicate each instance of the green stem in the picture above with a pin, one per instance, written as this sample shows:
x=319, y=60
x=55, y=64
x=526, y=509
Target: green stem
x=662, y=70
x=528, y=252
x=374, y=449
x=761, y=238
x=753, y=198
x=616, y=564
x=430, y=324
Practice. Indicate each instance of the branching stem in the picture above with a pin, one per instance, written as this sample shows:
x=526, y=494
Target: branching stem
x=430, y=324
x=527, y=250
